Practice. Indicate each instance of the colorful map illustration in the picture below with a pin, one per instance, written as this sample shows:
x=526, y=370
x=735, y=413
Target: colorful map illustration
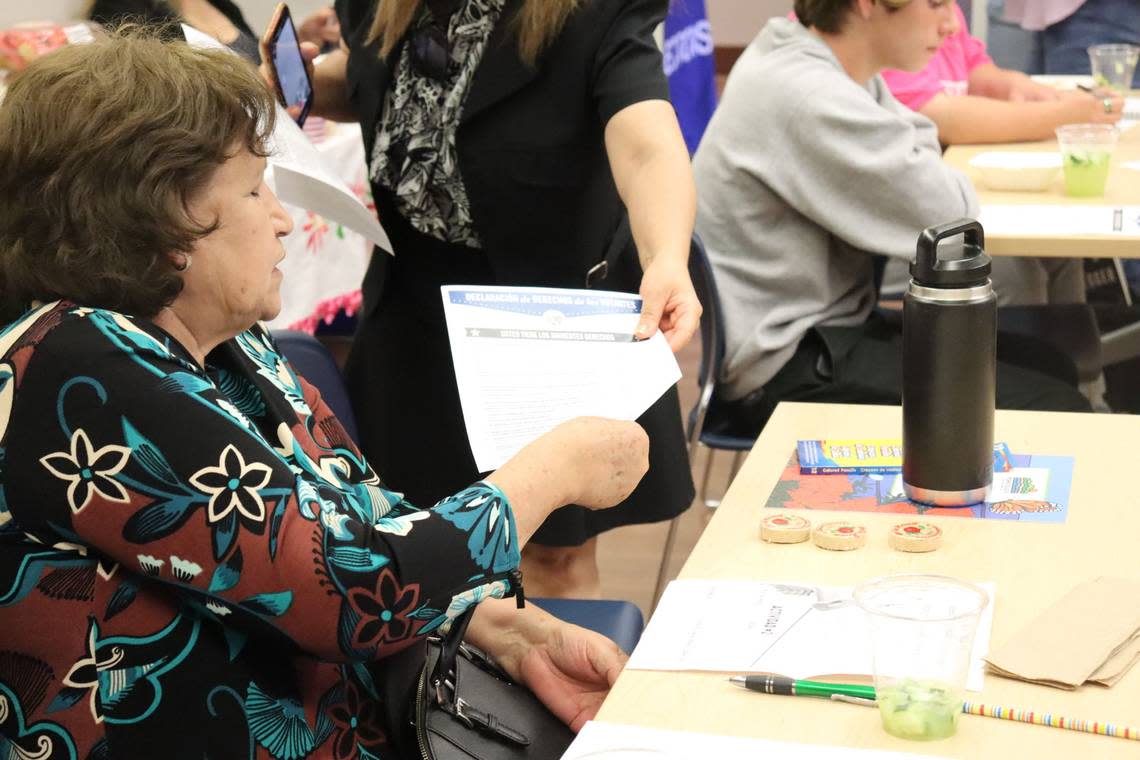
x=1035, y=489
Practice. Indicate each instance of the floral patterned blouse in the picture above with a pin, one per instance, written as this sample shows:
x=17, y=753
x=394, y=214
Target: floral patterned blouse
x=200, y=564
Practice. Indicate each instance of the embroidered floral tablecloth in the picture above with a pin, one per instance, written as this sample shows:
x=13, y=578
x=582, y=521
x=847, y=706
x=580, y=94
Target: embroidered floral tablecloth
x=324, y=261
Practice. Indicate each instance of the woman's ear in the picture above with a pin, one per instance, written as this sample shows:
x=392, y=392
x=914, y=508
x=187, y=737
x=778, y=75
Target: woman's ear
x=181, y=261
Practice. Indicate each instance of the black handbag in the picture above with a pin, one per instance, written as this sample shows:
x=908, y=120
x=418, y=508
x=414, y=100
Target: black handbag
x=466, y=707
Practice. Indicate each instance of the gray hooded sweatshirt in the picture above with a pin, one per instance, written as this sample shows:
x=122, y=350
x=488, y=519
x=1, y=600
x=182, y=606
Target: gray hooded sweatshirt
x=801, y=174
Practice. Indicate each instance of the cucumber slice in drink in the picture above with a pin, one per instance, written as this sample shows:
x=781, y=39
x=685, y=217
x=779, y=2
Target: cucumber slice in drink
x=922, y=710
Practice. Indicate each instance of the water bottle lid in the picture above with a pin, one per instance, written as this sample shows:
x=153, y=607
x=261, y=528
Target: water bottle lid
x=951, y=264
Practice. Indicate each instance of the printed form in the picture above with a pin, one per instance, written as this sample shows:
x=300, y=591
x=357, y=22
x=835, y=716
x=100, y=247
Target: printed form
x=792, y=629
x=611, y=741
x=528, y=359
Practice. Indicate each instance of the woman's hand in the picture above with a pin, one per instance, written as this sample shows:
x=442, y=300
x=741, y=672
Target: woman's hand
x=606, y=459
x=669, y=303
x=309, y=51
x=320, y=27
x=569, y=668
x=1086, y=108
x=590, y=461
x=572, y=672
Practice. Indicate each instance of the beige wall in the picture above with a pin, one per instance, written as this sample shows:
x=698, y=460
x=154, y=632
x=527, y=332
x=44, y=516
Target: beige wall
x=735, y=22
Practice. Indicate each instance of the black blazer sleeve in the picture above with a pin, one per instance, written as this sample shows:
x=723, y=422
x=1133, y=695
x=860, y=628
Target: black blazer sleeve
x=627, y=67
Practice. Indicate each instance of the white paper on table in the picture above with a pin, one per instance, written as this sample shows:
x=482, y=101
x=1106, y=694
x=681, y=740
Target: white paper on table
x=1013, y=219
x=611, y=741
x=713, y=625
x=299, y=175
x=528, y=359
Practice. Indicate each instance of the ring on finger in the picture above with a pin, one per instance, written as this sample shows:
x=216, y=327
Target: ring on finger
x=1107, y=105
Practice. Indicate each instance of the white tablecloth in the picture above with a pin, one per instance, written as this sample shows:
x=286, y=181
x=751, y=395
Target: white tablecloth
x=324, y=261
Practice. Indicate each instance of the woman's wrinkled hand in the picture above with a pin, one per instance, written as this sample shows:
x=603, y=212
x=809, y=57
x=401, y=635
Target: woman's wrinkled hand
x=608, y=459
x=571, y=671
x=669, y=304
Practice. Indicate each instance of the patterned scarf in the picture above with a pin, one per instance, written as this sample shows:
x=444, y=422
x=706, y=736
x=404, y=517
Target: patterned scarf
x=414, y=154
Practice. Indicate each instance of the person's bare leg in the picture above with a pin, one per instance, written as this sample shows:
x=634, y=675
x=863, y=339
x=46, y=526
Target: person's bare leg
x=568, y=572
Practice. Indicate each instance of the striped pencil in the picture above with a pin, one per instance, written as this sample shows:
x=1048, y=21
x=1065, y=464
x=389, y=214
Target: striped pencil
x=1051, y=720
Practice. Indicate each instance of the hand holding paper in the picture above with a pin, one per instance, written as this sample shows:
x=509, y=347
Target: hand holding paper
x=529, y=359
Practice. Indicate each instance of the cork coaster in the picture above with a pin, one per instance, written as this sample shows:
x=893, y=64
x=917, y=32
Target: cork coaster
x=915, y=537
x=839, y=536
x=784, y=529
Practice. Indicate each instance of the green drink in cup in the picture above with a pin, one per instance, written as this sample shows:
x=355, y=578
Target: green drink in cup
x=1086, y=151
x=922, y=635
x=1113, y=65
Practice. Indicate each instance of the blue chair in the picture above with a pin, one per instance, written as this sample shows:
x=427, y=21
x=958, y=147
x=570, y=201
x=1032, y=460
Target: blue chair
x=619, y=620
x=704, y=418
x=313, y=362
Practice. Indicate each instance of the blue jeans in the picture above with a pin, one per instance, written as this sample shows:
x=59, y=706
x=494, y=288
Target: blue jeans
x=1063, y=47
x=1064, y=44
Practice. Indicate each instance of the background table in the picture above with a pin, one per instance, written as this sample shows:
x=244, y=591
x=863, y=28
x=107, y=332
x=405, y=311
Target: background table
x=1123, y=189
x=1033, y=565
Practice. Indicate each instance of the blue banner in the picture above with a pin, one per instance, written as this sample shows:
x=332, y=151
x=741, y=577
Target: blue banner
x=690, y=67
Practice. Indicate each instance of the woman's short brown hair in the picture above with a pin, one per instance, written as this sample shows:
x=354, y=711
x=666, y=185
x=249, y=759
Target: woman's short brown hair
x=828, y=16
x=102, y=148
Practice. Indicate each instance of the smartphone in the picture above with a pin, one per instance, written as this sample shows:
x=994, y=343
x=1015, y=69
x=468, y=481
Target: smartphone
x=282, y=51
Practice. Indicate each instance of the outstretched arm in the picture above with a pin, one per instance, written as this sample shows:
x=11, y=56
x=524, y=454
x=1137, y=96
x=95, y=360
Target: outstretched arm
x=650, y=165
x=974, y=119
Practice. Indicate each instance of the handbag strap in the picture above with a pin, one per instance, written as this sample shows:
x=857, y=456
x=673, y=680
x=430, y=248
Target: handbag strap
x=618, y=243
x=449, y=644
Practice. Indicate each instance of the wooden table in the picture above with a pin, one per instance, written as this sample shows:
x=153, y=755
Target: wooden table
x=1123, y=189
x=1032, y=565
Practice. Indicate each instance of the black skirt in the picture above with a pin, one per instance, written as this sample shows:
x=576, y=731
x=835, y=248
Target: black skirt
x=402, y=383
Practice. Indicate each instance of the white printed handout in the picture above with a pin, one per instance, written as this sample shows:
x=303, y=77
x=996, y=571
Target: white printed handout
x=611, y=741
x=299, y=175
x=1044, y=221
x=527, y=359
x=792, y=629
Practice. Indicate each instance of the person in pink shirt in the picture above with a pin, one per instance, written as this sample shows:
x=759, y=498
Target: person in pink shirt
x=971, y=100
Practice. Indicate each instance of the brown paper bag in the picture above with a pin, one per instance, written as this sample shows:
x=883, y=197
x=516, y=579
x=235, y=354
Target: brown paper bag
x=1088, y=634
x=1118, y=664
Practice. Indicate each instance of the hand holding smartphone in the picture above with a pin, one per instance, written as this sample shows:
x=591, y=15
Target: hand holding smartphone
x=281, y=51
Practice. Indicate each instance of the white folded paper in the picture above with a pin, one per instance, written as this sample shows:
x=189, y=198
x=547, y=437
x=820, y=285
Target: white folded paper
x=527, y=359
x=738, y=626
x=611, y=741
x=1045, y=220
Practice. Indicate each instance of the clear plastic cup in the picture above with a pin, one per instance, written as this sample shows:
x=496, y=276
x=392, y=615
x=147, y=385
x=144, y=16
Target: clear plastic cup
x=1086, y=152
x=922, y=633
x=1113, y=65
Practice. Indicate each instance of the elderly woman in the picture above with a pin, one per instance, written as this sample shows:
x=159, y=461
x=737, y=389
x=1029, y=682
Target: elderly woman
x=195, y=561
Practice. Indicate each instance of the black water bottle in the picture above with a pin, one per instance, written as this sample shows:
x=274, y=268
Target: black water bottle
x=949, y=367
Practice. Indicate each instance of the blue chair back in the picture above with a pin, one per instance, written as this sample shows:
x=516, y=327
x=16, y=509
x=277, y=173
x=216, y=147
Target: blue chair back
x=312, y=361
x=719, y=434
x=617, y=620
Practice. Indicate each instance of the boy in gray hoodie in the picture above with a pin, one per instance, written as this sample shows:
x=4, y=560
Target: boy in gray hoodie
x=808, y=167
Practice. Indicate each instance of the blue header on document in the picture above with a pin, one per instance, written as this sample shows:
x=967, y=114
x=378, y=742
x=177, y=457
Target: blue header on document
x=539, y=301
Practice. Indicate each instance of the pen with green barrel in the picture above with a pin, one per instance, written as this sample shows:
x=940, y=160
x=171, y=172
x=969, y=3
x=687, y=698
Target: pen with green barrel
x=865, y=695
x=794, y=688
